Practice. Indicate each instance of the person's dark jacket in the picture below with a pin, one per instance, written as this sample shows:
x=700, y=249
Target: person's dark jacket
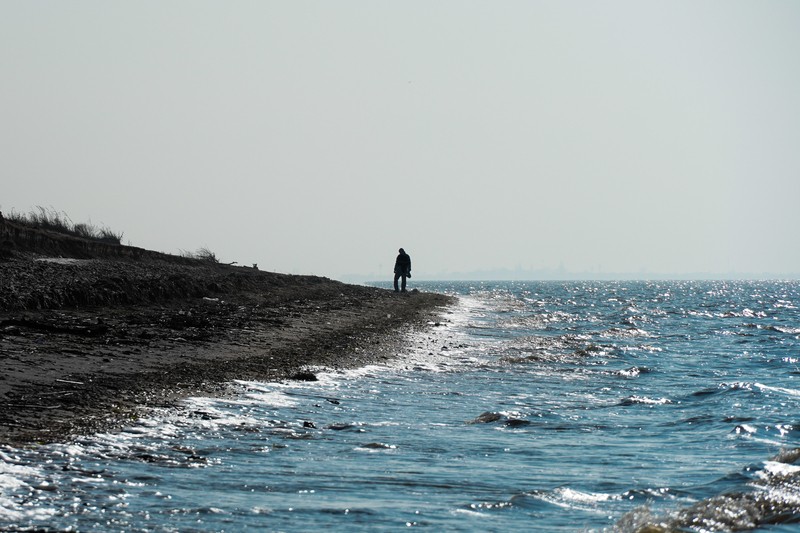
x=403, y=264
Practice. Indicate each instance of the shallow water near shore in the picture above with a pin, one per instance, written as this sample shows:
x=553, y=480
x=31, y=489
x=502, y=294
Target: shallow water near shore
x=534, y=406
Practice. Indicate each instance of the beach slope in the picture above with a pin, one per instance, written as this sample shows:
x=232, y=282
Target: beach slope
x=90, y=334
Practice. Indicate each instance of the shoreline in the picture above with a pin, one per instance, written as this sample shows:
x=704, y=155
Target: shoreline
x=109, y=337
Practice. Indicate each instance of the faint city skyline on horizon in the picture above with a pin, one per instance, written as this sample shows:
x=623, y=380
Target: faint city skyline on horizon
x=568, y=275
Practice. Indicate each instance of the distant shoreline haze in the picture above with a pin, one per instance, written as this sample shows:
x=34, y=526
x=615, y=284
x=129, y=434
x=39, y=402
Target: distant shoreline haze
x=565, y=275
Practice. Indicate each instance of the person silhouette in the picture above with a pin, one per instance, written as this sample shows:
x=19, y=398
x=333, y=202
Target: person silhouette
x=402, y=269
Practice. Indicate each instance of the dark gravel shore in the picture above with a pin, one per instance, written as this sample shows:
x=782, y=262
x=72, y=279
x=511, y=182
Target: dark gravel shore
x=86, y=342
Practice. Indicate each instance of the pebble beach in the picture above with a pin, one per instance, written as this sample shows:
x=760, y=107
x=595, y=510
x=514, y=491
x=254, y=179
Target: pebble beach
x=92, y=333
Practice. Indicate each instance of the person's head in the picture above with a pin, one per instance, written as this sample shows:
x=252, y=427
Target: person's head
x=402, y=251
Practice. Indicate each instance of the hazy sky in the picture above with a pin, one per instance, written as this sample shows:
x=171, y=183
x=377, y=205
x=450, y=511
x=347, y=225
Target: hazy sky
x=318, y=137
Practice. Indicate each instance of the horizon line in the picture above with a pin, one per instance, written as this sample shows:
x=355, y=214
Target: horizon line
x=589, y=276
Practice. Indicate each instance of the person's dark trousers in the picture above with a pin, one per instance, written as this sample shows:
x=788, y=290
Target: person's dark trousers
x=403, y=283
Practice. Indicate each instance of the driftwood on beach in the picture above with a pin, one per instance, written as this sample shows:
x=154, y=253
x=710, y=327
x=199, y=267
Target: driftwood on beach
x=91, y=332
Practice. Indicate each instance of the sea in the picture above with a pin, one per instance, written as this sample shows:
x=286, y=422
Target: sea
x=528, y=406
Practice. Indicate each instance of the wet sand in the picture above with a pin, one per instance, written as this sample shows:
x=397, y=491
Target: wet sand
x=85, y=344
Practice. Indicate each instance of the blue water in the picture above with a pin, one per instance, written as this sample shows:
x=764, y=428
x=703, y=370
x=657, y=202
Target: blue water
x=532, y=406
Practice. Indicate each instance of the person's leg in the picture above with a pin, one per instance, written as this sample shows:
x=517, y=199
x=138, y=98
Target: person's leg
x=404, y=283
x=396, y=277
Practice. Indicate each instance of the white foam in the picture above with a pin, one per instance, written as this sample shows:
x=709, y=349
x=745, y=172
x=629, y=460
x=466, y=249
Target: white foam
x=781, y=329
x=778, y=469
x=746, y=428
x=469, y=512
x=10, y=512
x=442, y=347
x=568, y=498
x=330, y=378
x=585, y=497
x=17, y=477
x=214, y=416
x=11, y=475
x=782, y=390
x=644, y=400
x=272, y=399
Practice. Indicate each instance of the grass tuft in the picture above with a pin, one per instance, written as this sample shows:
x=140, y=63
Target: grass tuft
x=59, y=222
x=202, y=254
